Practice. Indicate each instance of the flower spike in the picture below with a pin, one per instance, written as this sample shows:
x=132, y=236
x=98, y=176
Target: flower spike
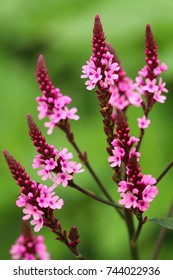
x=52, y=103
x=28, y=246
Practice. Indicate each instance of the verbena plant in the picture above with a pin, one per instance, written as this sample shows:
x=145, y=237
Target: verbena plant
x=116, y=93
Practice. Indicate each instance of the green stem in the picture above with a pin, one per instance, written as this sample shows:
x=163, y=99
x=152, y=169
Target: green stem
x=131, y=233
x=94, y=196
x=165, y=171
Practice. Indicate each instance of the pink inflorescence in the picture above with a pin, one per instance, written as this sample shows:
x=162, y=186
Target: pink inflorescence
x=29, y=247
x=55, y=165
x=100, y=69
x=52, y=103
x=36, y=199
x=147, y=82
x=137, y=190
x=105, y=71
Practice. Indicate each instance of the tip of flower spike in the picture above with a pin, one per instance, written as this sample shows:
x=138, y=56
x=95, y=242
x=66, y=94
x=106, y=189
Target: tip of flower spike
x=41, y=62
x=97, y=17
x=97, y=22
x=148, y=27
x=6, y=154
x=149, y=33
x=30, y=120
x=32, y=125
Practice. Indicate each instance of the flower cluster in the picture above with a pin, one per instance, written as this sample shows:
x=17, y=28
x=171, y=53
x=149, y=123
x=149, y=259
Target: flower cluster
x=147, y=82
x=52, y=103
x=100, y=69
x=123, y=92
x=29, y=247
x=138, y=189
x=55, y=165
x=36, y=199
x=104, y=70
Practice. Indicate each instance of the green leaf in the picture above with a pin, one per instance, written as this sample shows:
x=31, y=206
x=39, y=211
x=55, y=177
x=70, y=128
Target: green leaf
x=163, y=222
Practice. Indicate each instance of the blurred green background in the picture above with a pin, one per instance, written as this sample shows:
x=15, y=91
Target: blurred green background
x=62, y=31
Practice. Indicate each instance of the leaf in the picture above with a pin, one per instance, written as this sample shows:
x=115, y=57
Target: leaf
x=163, y=222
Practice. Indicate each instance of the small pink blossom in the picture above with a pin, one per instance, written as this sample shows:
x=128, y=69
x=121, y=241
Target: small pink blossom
x=71, y=113
x=123, y=186
x=148, y=180
x=55, y=202
x=50, y=125
x=150, y=86
x=95, y=75
x=38, y=224
x=110, y=77
x=65, y=154
x=62, y=178
x=143, y=122
x=37, y=161
x=142, y=205
x=128, y=200
x=45, y=174
x=149, y=193
x=115, y=160
x=50, y=164
x=31, y=210
x=143, y=72
x=158, y=97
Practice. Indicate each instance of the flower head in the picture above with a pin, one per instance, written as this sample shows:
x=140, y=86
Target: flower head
x=29, y=247
x=52, y=103
x=35, y=199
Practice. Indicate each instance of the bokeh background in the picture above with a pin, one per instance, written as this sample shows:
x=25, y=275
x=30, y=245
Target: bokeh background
x=62, y=31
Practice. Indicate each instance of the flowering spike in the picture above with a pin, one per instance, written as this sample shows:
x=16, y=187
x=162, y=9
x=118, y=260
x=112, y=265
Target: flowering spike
x=17, y=171
x=151, y=52
x=39, y=140
x=98, y=42
x=28, y=246
x=74, y=237
x=52, y=103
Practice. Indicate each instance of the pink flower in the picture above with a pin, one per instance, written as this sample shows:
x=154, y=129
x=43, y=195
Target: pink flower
x=95, y=75
x=142, y=205
x=71, y=113
x=76, y=167
x=50, y=126
x=123, y=186
x=31, y=210
x=115, y=160
x=110, y=76
x=43, y=201
x=29, y=247
x=143, y=72
x=55, y=202
x=50, y=164
x=158, y=97
x=143, y=122
x=62, y=178
x=42, y=108
x=148, y=180
x=37, y=161
x=132, y=140
x=65, y=154
x=128, y=200
x=149, y=193
x=45, y=174
x=38, y=224
x=150, y=86
x=22, y=200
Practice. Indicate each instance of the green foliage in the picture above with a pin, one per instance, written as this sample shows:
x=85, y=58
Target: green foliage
x=163, y=222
